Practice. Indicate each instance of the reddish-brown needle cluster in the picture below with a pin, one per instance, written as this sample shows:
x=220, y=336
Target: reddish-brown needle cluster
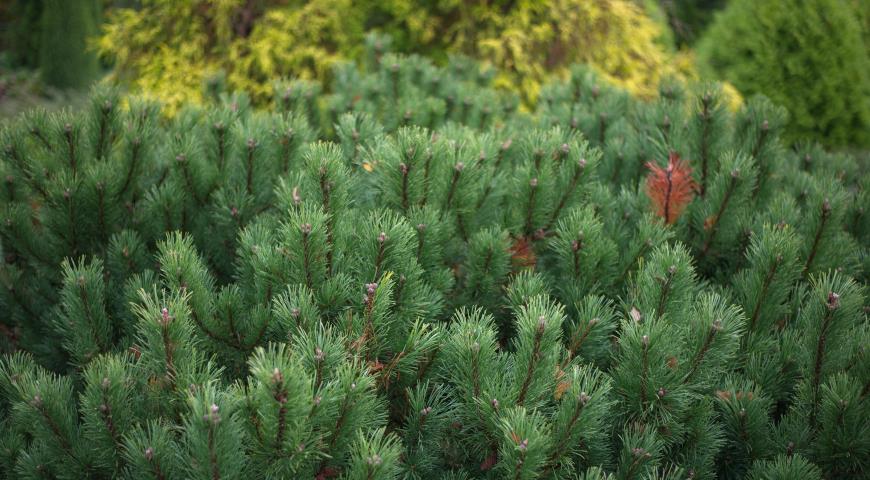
x=670, y=189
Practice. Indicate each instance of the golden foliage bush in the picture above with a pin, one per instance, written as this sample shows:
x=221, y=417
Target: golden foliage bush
x=305, y=42
x=614, y=36
x=167, y=49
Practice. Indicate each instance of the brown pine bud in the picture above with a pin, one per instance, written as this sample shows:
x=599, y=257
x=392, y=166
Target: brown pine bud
x=833, y=301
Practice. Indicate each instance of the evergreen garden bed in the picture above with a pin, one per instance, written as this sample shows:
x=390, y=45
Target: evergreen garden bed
x=411, y=277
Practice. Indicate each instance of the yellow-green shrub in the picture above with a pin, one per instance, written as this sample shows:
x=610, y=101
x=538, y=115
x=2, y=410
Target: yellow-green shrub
x=165, y=50
x=168, y=48
x=614, y=36
x=304, y=42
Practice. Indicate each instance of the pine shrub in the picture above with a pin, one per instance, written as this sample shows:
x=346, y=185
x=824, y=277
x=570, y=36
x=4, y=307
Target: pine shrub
x=410, y=279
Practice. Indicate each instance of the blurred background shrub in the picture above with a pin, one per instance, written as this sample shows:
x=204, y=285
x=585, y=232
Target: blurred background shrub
x=64, y=60
x=50, y=37
x=539, y=39
x=53, y=36
x=809, y=56
x=688, y=18
x=170, y=48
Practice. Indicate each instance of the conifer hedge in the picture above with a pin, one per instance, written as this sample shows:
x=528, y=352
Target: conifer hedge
x=810, y=56
x=409, y=278
x=52, y=36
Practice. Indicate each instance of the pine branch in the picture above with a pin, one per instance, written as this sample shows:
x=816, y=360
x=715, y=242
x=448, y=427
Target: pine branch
x=533, y=184
x=37, y=133
x=826, y=214
x=71, y=148
x=249, y=166
x=756, y=149
x=670, y=188
x=714, y=225
x=495, y=168
x=325, y=190
x=640, y=253
x=644, y=368
x=188, y=180
x=426, y=167
x=581, y=166
x=536, y=354
x=833, y=303
x=762, y=294
x=221, y=159
x=665, y=290
x=457, y=171
x=706, y=99
x=562, y=442
x=699, y=357
x=577, y=342
x=39, y=406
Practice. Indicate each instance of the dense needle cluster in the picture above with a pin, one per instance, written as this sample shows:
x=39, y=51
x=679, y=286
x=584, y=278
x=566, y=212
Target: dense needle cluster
x=670, y=188
x=409, y=278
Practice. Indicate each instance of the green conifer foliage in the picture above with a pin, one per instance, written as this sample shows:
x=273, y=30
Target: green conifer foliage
x=334, y=289
x=782, y=48
x=21, y=38
x=65, y=59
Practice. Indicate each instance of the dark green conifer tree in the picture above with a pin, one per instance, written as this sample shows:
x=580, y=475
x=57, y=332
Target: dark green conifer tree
x=66, y=27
